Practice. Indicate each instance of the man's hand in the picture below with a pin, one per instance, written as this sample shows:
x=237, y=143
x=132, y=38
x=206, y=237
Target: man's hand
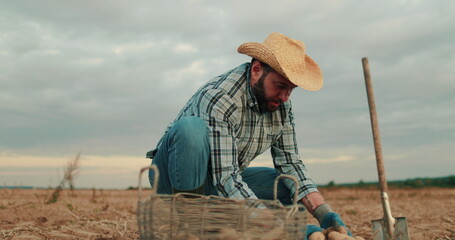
x=332, y=219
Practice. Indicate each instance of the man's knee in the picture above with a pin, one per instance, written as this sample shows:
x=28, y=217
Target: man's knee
x=193, y=130
x=261, y=180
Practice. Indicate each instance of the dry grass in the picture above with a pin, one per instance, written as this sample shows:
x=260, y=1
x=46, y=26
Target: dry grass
x=102, y=214
x=83, y=214
x=71, y=171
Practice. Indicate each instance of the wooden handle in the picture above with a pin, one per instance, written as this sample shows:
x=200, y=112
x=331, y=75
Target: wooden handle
x=374, y=126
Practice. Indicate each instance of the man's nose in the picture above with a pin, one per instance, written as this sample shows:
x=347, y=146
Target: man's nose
x=284, y=95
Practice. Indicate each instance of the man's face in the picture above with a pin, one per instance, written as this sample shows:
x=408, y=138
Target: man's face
x=271, y=90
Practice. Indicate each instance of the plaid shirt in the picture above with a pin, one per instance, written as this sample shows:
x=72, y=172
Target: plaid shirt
x=239, y=132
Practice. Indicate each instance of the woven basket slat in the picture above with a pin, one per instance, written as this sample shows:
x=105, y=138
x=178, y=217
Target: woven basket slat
x=194, y=216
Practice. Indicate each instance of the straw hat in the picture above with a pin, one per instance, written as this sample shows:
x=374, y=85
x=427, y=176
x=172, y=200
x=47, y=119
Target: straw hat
x=286, y=56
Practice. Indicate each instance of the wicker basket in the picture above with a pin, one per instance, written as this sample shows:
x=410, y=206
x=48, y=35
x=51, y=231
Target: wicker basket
x=193, y=216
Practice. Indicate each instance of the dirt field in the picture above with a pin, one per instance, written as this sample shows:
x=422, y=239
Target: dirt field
x=102, y=215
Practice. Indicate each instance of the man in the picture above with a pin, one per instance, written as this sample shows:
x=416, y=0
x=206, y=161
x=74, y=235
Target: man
x=234, y=118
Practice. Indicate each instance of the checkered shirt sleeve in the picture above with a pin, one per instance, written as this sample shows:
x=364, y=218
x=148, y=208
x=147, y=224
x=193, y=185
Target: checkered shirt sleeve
x=287, y=160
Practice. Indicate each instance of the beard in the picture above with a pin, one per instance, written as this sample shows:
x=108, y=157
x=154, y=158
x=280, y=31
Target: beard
x=265, y=103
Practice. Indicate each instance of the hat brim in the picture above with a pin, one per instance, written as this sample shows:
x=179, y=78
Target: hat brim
x=308, y=77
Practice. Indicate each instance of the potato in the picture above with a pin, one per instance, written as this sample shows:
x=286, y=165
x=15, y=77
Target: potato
x=340, y=233
x=317, y=236
x=334, y=235
x=342, y=230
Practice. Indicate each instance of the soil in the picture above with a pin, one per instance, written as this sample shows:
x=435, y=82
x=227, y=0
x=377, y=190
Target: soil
x=111, y=214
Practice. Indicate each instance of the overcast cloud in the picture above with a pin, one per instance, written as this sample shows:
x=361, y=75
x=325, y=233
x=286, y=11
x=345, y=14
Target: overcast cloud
x=106, y=77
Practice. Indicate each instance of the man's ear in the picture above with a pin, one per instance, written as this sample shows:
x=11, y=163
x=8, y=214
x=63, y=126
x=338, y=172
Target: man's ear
x=256, y=71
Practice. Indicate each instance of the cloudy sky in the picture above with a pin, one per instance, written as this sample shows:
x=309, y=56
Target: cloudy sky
x=105, y=78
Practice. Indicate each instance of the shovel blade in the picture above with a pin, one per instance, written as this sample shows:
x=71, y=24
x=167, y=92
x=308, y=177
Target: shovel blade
x=380, y=231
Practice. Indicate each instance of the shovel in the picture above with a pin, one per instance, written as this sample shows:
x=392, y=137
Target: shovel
x=388, y=228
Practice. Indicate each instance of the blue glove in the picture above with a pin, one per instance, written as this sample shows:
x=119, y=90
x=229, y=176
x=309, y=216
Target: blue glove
x=332, y=219
x=311, y=229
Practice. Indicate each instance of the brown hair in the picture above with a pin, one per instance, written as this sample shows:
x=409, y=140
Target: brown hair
x=267, y=69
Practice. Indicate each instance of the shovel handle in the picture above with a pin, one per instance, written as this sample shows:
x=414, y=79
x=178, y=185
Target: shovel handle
x=374, y=126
